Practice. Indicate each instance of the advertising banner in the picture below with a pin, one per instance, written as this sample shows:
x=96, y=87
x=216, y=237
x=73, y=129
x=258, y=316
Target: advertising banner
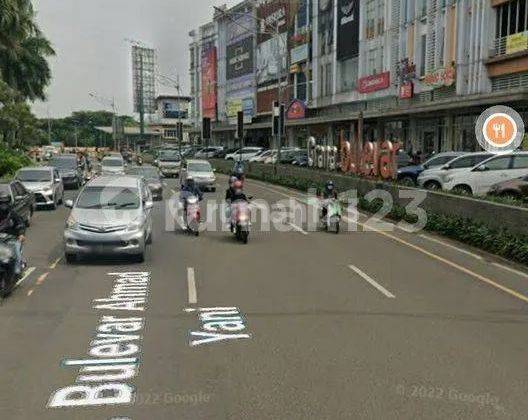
x=144, y=75
x=271, y=59
x=516, y=42
x=272, y=15
x=209, y=97
x=240, y=26
x=245, y=104
x=347, y=29
x=296, y=110
x=373, y=83
x=239, y=58
x=440, y=77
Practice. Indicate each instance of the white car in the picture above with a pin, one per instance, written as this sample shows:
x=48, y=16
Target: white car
x=246, y=153
x=45, y=183
x=262, y=156
x=208, y=152
x=479, y=179
x=434, y=178
x=201, y=172
x=113, y=166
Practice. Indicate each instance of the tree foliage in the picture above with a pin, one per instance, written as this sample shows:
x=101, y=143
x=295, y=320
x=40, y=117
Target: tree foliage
x=24, y=50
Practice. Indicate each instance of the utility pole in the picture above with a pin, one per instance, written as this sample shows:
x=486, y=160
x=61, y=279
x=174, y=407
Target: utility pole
x=49, y=127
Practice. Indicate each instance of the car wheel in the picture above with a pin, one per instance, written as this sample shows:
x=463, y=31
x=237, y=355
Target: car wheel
x=54, y=205
x=463, y=189
x=70, y=258
x=213, y=189
x=432, y=185
x=408, y=181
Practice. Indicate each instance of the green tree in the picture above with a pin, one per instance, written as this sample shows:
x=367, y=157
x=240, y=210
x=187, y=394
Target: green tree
x=23, y=50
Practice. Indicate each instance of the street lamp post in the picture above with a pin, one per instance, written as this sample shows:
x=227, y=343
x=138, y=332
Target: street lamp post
x=111, y=103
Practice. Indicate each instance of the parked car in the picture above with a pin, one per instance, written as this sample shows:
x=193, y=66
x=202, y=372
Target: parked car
x=111, y=216
x=246, y=153
x=71, y=173
x=301, y=159
x=222, y=154
x=434, y=178
x=261, y=157
x=45, y=183
x=113, y=166
x=208, y=152
x=403, y=159
x=152, y=177
x=515, y=188
x=480, y=179
x=409, y=175
x=23, y=201
x=202, y=173
x=272, y=158
x=169, y=162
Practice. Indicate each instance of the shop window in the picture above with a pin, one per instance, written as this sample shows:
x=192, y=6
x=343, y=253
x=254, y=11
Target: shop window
x=423, y=52
x=300, y=86
x=349, y=74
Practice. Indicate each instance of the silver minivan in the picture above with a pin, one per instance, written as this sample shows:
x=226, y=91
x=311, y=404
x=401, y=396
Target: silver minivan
x=111, y=216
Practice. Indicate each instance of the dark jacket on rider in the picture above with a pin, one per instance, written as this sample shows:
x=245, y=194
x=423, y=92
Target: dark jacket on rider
x=10, y=222
x=186, y=191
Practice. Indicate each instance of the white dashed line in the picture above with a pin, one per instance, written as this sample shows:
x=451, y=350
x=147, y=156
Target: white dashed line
x=371, y=281
x=191, y=286
x=27, y=273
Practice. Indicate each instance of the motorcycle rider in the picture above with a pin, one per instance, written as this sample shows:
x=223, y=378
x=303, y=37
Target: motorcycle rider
x=13, y=225
x=329, y=193
x=238, y=170
x=190, y=188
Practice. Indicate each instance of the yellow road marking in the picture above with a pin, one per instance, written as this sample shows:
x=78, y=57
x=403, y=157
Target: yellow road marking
x=54, y=265
x=450, y=263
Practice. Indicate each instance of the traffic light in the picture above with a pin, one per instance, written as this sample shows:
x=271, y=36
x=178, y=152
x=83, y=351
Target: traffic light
x=240, y=125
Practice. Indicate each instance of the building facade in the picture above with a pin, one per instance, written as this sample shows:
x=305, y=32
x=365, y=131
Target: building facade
x=415, y=71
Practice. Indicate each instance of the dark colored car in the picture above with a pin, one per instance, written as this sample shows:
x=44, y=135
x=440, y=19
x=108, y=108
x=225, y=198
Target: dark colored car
x=23, y=201
x=152, y=177
x=301, y=160
x=514, y=188
x=408, y=175
x=71, y=173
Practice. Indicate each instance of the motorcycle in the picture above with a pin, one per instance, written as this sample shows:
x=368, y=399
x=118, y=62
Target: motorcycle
x=332, y=220
x=8, y=277
x=192, y=214
x=240, y=220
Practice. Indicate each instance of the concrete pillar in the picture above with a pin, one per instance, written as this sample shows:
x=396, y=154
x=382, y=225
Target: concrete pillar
x=449, y=133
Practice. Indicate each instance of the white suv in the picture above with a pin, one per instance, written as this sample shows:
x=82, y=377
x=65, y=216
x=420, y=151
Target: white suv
x=434, y=178
x=479, y=179
x=245, y=153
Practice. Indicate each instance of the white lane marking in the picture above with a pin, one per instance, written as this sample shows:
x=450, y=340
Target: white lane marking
x=27, y=273
x=30, y=292
x=54, y=265
x=463, y=251
x=511, y=270
x=41, y=279
x=370, y=280
x=297, y=228
x=191, y=286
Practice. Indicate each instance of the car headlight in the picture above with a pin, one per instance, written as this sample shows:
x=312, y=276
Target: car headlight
x=47, y=191
x=72, y=224
x=135, y=225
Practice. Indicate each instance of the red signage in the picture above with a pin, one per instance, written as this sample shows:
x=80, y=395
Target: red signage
x=440, y=77
x=296, y=110
x=373, y=83
x=209, y=97
x=406, y=90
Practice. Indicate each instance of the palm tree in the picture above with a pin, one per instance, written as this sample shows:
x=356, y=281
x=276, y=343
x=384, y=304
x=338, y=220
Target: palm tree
x=23, y=50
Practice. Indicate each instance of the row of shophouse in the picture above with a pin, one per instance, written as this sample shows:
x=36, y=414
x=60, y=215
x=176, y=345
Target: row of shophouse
x=416, y=71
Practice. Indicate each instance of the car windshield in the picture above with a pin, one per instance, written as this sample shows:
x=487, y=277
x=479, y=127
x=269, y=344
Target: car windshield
x=112, y=162
x=199, y=167
x=64, y=163
x=169, y=155
x=150, y=173
x=34, y=175
x=109, y=197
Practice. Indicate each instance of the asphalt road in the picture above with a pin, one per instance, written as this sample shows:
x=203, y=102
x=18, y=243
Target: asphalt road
x=363, y=324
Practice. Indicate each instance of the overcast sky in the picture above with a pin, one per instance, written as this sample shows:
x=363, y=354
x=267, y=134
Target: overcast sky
x=92, y=55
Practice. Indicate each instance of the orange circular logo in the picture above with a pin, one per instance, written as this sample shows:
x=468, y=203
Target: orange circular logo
x=500, y=129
